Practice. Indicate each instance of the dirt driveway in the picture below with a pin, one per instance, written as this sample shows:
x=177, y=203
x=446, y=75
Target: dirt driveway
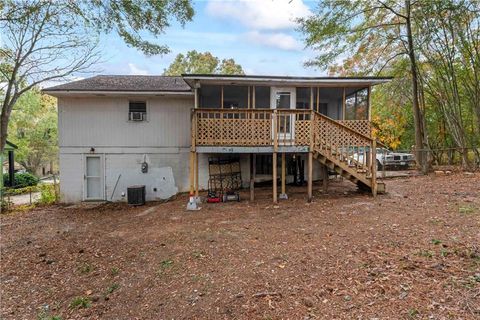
x=412, y=253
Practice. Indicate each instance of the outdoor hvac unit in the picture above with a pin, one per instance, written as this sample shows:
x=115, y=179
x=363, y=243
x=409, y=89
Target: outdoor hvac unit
x=136, y=195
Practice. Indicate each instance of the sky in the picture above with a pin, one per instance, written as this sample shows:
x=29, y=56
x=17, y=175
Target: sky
x=260, y=35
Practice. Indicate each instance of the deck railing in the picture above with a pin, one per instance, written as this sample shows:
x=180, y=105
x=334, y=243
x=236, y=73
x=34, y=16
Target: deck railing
x=255, y=127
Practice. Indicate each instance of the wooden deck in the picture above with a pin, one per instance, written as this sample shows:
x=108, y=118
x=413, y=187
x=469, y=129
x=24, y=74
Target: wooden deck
x=345, y=147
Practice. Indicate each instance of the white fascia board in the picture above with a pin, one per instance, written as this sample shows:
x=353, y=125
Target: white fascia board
x=271, y=81
x=57, y=93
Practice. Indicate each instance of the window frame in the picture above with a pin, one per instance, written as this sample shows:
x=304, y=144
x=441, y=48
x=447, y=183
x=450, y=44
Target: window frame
x=145, y=114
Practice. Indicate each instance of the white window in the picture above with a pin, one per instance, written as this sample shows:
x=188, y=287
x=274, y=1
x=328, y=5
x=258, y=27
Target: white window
x=137, y=111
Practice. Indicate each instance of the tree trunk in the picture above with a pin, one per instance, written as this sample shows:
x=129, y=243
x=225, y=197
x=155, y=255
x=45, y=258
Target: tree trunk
x=421, y=145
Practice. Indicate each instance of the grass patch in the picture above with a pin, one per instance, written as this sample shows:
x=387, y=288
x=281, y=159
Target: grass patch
x=425, y=253
x=80, y=302
x=164, y=266
x=85, y=268
x=114, y=271
x=412, y=313
x=436, y=241
x=467, y=210
x=112, y=288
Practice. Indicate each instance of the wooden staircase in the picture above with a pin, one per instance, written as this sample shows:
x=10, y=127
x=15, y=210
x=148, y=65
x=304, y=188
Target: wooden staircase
x=347, y=152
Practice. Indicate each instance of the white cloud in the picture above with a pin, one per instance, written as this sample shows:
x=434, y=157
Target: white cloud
x=134, y=70
x=260, y=15
x=277, y=40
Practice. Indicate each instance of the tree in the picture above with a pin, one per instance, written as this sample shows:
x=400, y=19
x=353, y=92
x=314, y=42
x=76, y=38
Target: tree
x=50, y=40
x=378, y=33
x=33, y=128
x=205, y=63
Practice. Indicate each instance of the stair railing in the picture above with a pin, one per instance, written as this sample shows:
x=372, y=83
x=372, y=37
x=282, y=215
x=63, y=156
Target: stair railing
x=338, y=141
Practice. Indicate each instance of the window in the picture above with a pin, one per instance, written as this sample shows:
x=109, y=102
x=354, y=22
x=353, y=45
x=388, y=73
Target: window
x=137, y=111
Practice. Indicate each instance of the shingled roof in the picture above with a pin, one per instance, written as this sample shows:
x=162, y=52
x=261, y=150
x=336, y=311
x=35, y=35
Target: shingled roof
x=119, y=83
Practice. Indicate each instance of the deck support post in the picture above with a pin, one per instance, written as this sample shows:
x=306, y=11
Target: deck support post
x=253, y=160
x=192, y=173
x=197, y=183
x=283, y=194
x=373, y=163
x=274, y=177
x=310, y=176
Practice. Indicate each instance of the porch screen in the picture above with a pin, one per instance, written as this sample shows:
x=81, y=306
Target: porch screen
x=235, y=97
x=356, y=104
x=262, y=97
x=303, y=98
x=210, y=96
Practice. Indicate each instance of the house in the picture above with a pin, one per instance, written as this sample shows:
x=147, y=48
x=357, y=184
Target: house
x=160, y=131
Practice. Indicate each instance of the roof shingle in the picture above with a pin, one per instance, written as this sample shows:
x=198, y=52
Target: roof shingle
x=125, y=83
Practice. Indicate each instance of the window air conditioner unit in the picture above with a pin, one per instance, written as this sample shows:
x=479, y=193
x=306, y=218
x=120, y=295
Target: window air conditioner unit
x=137, y=116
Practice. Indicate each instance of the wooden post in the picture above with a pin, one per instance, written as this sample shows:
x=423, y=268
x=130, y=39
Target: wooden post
x=253, y=169
x=283, y=194
x=221, y=98
x=310, y=156
x=192, y=172
x=310, y=176
x=274, y=176
x=274, y=160
x=373, y=163
x=253, y=97
x=318, y=99
x=197, y=183
x=344, y=104
x=369, y=103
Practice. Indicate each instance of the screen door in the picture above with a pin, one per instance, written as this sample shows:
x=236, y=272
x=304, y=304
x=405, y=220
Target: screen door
x=93, y=177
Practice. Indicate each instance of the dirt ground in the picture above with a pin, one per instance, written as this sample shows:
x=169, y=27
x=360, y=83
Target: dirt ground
x=413, y=253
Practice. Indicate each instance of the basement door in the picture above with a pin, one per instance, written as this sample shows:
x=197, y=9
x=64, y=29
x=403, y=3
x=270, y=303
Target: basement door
x=93, y=184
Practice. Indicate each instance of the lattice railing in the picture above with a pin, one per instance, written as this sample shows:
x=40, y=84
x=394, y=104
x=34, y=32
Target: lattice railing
x=251, y=127
x=362, y=126
x=266, y=127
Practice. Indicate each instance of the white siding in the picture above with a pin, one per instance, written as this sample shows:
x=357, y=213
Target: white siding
x=103, y=121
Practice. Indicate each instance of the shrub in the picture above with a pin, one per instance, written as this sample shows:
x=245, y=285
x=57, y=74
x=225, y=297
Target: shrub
x=22, y=180
x=47, y=194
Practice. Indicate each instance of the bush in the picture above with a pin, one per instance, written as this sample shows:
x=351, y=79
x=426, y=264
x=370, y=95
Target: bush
x=21, y=180
x=47, y=194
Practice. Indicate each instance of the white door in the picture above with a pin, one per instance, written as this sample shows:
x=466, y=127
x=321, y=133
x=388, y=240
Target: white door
x=284, y=99
x=93, y=178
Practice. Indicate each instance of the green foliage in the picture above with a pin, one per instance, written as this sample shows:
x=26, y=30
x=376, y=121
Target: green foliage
x=80, y=302
x=370, y=37
x=21, y=180
x=33, y=128
x=47, y=194
x=85, y=268
x=112, y=288
x=132, y=20
x=204, y=63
